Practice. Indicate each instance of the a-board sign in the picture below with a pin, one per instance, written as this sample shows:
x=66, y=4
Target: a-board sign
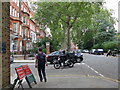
x=26, y=69
x=29, y=76
x=24, y=72
x=20, y=72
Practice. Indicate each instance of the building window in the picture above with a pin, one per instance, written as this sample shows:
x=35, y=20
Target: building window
x=15, y=27
x=13, y=12
x=10, y=10
x=24, y=20
x=20, y=45
x=17, y=14
x=24, y=34
x=18, y=3
x=15, y=46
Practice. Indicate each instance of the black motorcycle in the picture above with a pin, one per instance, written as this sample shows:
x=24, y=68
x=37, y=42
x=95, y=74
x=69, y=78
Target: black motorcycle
x=60, y=62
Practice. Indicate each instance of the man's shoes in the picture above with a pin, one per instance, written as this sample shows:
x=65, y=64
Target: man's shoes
x=45, y=80
x=41, y=80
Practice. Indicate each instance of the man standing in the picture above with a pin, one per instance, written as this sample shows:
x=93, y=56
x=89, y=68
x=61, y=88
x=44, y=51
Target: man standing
x=40, y=64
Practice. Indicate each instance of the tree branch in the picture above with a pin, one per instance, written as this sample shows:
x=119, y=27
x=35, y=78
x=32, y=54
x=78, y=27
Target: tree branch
x=75, y=18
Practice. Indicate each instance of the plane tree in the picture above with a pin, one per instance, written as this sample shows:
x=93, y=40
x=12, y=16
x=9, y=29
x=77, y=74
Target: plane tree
x=66, y=19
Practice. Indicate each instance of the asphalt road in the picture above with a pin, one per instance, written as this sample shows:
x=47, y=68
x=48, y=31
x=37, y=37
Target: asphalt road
x=96, y=71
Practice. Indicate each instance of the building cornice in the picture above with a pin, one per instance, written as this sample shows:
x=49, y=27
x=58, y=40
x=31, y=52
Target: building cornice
x=15, y=18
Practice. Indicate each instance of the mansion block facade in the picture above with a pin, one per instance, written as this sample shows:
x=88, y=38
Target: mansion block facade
x=23, y=30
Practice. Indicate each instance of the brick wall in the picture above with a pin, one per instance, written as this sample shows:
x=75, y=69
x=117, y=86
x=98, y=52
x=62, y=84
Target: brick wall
x=5, y=60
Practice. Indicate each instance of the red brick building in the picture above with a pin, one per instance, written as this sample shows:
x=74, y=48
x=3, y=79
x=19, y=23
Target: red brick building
x=23, y=30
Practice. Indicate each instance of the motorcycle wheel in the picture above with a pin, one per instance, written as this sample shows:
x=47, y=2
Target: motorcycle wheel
x=71, y=64
x=56, y=65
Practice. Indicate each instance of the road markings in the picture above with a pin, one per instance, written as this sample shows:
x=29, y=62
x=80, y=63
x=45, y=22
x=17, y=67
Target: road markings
x=93, y=70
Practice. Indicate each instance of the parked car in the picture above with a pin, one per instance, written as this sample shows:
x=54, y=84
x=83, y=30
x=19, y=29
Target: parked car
x=11, y=59
x=85, y=51
x=92, y=51
x=75, y=55
x=97, y=51
x=50, y=57
x=78, y=56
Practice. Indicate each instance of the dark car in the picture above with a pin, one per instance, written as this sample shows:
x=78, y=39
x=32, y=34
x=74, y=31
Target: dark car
x=78, y=56
x=50, y=57
x=97, y=51
x=75, y=55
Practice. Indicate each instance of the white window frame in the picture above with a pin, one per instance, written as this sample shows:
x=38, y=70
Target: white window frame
x=20, y=29
x=15, y=27
x=18, y=14
x=13, y=12
x=20, y=45
x=18, y=3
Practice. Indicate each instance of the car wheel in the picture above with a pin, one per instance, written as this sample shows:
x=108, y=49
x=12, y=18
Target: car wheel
x=78, y=60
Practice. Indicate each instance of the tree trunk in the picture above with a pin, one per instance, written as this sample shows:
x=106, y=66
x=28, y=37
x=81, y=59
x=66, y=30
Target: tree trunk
x=69, y=39
x=64, y=39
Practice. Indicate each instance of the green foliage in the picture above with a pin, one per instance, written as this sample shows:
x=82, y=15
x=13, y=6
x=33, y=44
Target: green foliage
x=111, y=45
x=29, y=50
x=97, y=46
x=104, y=37
x=54, y=45
x=44, y=50
x=60, y=17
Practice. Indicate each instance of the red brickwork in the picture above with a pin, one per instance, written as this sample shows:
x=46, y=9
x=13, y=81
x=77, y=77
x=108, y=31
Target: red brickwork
x=21, y=13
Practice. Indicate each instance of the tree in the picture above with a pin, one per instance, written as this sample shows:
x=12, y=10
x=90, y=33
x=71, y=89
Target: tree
x=100, y=29
x=65, y=17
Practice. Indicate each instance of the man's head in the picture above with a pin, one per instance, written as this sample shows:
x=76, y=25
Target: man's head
x=40, y=50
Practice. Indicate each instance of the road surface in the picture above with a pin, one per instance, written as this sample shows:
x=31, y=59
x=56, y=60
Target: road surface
x=96, y=71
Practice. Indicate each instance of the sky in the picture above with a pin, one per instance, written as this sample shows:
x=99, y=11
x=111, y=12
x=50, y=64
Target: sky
x=113, y=4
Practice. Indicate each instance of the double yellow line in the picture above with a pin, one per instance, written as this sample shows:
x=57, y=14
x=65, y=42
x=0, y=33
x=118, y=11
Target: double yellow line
x=106, y=78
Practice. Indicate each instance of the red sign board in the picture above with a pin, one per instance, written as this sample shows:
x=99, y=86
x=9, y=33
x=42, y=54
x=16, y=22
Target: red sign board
x=26, y=69
x=20, y=72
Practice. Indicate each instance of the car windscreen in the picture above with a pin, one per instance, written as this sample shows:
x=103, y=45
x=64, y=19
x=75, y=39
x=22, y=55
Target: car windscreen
x=77, y=51
x=56, y=53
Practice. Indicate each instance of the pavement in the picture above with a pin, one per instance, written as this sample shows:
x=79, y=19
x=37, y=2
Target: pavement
x=24, y=61
x=70, y=81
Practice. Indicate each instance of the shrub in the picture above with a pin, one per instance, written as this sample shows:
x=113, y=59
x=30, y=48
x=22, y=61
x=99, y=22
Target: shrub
x=110, y=45
x=44, y=50
x=97, y=46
